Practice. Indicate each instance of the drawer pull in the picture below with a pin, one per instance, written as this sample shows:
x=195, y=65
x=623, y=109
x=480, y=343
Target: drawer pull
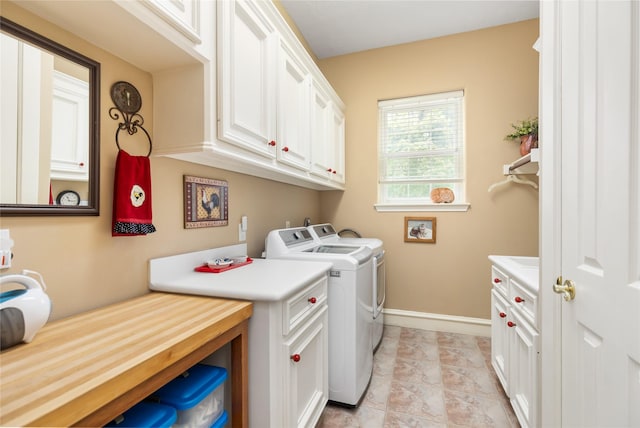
x=295, y=358
x=285, y=149
x=519, y=299
x=511, y=324
x=312, y=300
x=272, y=143
x=502, y=315
x=497, y=280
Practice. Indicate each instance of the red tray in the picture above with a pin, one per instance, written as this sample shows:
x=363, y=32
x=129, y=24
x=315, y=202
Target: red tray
x=208, y=269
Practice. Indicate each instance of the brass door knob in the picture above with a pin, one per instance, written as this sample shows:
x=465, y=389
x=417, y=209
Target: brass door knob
x=567, y=289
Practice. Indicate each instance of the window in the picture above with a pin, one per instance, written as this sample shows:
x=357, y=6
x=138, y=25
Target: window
x=421, y=147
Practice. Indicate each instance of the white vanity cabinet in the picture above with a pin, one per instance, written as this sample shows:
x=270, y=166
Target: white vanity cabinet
x=515, y=343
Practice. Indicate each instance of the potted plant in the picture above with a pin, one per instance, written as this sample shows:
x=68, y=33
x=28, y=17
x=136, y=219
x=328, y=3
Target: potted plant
x=525, y=131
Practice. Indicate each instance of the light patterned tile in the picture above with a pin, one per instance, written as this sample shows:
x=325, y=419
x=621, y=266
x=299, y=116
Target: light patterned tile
x=361, y=417
x=468, y=380
x=418, y=351
x=417, y=371
x=377, y=394
x=475, y=411
x=401, y=420
x=462, y=357
x=414, y=336
x=416, y=399
x=453, y=340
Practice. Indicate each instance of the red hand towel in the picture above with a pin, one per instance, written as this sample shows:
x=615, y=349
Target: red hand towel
x=132, y=196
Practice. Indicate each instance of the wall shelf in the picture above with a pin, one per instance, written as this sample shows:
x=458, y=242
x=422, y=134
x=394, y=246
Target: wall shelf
x=527, y=164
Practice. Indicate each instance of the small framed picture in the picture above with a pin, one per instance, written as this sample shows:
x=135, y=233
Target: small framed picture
x=420, y=229
x=205, y=202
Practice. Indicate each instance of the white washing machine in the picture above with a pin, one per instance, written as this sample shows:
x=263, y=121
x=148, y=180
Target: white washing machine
x=349, y=299
x=326, y=234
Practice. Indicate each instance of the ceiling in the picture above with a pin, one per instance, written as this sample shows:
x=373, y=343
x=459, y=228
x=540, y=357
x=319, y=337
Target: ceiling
x=338, y=27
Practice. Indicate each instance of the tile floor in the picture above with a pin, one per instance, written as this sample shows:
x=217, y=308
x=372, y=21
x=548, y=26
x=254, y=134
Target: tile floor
x=428, y=379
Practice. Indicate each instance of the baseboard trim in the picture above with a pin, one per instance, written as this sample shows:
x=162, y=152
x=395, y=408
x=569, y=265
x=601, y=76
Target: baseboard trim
x=437, y=322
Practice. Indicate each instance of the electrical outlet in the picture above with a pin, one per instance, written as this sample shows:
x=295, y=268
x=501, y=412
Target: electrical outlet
x=242, y=234
x=287, y=224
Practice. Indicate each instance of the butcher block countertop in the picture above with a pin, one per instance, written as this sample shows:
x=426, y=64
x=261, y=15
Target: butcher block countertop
x=89, y=368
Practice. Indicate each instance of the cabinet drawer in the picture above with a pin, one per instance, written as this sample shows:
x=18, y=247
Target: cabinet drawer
x=524, y=301
x=301, y=306
x=500, y=281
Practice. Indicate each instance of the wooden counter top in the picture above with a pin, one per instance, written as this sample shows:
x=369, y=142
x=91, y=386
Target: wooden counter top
x=89, y=368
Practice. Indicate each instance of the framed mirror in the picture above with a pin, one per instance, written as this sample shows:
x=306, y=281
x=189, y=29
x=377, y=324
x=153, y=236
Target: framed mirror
x=50, y=127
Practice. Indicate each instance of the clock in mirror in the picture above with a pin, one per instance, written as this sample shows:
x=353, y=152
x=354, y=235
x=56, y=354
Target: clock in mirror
x=50, y=126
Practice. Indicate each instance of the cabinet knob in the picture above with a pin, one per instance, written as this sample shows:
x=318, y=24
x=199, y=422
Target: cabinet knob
x=497, y=280
x=334, y=171
x=329, y=170
x=312, y=300
x=81, y=164
x=295, y=358
x=511, y=324
x=285, y=149
x=503, y=315
x=519, y=299
x=272, y=143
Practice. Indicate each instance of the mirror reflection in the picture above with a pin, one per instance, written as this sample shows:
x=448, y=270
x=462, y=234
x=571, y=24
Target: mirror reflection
x=49, y=155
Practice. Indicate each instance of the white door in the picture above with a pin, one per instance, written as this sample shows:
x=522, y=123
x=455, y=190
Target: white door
x=599, y=55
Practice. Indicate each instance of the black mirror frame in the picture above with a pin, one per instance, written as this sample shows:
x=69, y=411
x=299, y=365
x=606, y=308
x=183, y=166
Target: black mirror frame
x=93, y=209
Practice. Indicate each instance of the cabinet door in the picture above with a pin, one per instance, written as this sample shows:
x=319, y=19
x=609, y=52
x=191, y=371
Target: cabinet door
x=247, y=51
x=183, y=15
x=70, y=129
x=500, y=338
x=523, y=375
x=292, y=110
x=336, y=144
x=320, y=132
x=306, y=380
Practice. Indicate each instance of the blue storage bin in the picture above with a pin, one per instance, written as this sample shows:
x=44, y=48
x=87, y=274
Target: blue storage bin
x=146, y=414
x=197, y=395
x=221, y=421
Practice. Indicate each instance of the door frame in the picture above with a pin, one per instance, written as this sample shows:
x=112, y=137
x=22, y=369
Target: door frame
x=550, y=236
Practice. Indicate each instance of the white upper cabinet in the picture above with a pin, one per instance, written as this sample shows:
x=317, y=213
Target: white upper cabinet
x=335, y=144
x=233, y=87
x=183, y=15
x=246, y=94
x=292, y=109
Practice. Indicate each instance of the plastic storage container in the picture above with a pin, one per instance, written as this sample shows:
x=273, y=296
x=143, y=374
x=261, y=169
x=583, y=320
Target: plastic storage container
x=221, y=421
x=146, y=414
x=197, y=395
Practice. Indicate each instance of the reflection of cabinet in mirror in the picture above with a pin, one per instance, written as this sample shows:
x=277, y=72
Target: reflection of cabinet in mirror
x=45, y=131
x=70, y=128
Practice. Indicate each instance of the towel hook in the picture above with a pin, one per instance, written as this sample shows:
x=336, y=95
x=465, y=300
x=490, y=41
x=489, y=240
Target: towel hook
x=128, y=102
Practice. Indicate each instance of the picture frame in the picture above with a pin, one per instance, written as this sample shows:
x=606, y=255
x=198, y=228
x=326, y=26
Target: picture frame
x=420, y=229
x=206, y=202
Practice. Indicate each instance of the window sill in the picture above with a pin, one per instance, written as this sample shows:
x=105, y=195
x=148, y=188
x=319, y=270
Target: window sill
x=460, y=207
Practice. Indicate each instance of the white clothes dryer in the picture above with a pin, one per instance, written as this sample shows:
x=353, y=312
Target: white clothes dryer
x=349, y=300
x=326, y=234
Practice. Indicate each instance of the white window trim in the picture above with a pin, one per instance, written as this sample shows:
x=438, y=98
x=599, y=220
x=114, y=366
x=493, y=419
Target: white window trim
x=460, y=207
x=423, y=206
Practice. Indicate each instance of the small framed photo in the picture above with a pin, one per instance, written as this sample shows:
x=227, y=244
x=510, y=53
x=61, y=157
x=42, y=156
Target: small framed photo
x=420, y=229
x=206, y=202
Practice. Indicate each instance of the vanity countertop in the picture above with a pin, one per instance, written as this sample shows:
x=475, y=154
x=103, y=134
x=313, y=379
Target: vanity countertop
x=524, y=269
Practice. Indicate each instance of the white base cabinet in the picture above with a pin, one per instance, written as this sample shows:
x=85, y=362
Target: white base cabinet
x=515, y=344
x=289, y=383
